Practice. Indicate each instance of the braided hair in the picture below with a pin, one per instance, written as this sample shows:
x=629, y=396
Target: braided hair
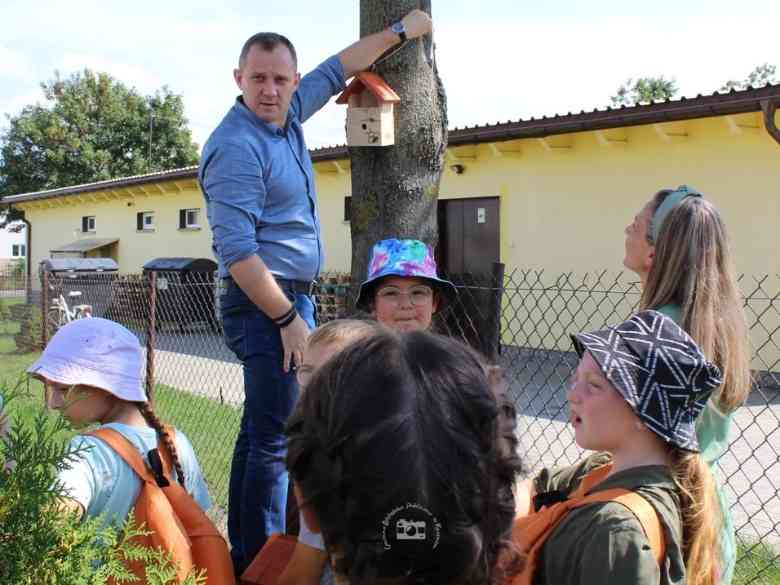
x=403, y=421
x=151, y=419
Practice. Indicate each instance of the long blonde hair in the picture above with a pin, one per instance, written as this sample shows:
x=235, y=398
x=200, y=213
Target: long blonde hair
x=692, y=268
x=701, y=517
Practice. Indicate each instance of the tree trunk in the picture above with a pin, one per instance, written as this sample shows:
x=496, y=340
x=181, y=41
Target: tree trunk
x=395, y=188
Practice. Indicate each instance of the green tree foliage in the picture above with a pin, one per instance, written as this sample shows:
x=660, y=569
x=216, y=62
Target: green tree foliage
x=644, y=90
x=41, y=544
x=759, y=77
x=92, y=128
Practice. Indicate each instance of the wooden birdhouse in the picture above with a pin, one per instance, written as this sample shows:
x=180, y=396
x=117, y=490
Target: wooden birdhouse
x=370, y=110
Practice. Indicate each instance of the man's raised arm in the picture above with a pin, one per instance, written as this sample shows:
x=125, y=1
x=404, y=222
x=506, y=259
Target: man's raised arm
x=360, y=55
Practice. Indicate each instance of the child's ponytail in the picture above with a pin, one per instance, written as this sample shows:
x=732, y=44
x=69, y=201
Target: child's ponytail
x=151, y=419
x=701, y=518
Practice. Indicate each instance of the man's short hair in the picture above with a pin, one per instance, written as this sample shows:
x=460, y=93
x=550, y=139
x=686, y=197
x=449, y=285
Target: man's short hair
x=267, y=41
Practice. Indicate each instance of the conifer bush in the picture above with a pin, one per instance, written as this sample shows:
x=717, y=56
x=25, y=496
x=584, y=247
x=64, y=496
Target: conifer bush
x=39, y=543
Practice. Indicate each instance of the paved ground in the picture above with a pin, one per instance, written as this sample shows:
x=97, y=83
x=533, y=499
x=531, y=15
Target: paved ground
x=200, y=363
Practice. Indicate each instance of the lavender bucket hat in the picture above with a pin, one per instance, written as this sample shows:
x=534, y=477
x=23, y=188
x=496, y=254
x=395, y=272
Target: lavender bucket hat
x=404, y=258
x=94, y=352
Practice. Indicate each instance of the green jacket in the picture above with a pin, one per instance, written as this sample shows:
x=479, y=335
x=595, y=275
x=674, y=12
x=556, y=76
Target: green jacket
x=604, y=543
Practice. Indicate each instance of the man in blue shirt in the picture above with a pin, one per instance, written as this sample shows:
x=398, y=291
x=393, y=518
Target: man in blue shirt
x=258, y=183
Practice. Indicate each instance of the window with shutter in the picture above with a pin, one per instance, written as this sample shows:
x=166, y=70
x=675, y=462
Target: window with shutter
x=189, y=219
x=347, y=208
x=144, y=221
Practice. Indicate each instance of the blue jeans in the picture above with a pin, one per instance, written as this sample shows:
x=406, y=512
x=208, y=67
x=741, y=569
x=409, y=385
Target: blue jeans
x=258, y=477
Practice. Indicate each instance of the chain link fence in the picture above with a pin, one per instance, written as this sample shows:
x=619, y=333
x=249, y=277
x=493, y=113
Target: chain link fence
x=521, y=320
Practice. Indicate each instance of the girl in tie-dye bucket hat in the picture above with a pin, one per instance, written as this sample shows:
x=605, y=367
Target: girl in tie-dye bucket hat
x=403, y=290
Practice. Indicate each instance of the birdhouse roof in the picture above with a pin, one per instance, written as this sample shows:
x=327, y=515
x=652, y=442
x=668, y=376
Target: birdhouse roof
x=365, y=80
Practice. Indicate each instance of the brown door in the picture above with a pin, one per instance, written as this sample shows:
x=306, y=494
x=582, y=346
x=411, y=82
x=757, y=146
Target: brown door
x=468, y=254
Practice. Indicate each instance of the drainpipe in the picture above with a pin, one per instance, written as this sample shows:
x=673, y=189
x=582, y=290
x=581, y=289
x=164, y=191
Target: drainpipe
x=769, y=107
x=28, y=249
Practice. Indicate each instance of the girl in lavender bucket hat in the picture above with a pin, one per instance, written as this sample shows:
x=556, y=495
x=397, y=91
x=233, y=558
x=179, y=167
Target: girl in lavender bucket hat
x=91, y=370
x=403, y=290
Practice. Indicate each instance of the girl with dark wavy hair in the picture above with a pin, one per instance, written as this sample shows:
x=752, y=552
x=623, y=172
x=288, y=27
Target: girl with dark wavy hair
x=404, y=457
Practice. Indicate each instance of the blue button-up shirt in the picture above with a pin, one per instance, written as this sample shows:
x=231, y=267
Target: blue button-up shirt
x=258, y=183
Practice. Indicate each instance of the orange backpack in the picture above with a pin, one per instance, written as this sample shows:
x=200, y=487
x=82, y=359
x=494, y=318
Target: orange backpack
x=176, y=522
x=529, y=533
x=271, y=561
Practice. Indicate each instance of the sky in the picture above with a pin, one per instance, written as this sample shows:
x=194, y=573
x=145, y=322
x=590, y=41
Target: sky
x=499, y=59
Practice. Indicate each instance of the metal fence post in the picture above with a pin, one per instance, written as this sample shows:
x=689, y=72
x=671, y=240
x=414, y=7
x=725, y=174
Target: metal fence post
x=44, y=306
x=494, y=323
x=150, y=336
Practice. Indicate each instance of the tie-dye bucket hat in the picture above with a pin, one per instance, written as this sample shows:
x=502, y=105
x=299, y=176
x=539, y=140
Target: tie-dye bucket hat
x=405, y=258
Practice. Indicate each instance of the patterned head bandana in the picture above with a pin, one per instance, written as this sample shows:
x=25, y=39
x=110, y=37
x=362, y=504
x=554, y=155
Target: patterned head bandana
x=659, y=370
x=405, y=258
x=672, y=200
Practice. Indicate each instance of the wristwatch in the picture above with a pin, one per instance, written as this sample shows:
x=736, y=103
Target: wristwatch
x=399, y=29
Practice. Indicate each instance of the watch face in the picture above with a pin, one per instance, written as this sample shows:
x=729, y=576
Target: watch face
x=397, y=28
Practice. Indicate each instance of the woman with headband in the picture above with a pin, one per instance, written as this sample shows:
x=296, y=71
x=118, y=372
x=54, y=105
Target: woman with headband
x=678, y=247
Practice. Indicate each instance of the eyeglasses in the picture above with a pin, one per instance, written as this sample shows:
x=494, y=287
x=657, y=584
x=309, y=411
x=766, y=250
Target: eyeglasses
x=418, y=295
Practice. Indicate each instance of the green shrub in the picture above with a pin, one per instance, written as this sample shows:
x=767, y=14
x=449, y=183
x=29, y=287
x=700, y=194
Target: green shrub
x=18, y=311
x=29, y=337
x=40, y=544
x=5, y=312
x=18, y=268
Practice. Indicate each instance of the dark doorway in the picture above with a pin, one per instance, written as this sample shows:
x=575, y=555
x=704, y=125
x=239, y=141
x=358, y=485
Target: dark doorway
x=468, y=253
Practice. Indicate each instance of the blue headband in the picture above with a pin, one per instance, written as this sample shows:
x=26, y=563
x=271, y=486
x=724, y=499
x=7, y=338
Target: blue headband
x=671, y=201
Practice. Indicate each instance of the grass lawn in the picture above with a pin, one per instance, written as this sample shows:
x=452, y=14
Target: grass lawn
x=210, y=425
x=211, y=428
x=757, y=564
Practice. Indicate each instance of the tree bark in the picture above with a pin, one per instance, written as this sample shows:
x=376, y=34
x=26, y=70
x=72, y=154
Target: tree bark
x=395, y=188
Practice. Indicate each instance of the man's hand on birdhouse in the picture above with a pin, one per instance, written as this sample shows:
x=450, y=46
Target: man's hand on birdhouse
x=417, y=23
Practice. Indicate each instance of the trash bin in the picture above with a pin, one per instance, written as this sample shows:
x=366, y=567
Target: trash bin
x=185, y=292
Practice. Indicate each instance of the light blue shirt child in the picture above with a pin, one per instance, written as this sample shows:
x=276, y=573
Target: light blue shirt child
x=103, y=483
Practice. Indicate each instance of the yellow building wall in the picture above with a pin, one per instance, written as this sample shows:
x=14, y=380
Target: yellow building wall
x=58, y=221
x=564, y=202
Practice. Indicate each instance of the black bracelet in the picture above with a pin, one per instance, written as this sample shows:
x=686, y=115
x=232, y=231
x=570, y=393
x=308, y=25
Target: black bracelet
x=287, y=318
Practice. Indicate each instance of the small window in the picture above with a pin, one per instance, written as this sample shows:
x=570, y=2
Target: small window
x=144, y=221
x=347, y=208
x=189, y=219
x=88, y=223
x=18, y=250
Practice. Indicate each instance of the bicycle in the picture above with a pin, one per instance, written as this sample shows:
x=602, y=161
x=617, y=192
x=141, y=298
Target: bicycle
x=60, y=313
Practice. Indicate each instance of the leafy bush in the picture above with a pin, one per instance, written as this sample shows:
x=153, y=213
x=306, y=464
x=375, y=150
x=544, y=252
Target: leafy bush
x=41, y=544
x=18, y=268
x=5, y=312
x=29, y=337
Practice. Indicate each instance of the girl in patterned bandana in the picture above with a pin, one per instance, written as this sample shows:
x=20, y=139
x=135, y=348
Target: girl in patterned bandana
x=677, y=245
x=642, y=510
x=402, y=290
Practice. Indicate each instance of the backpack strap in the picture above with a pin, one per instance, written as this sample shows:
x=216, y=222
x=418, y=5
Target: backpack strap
x=126, y=450
x=641, y=509
x=529, y=533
